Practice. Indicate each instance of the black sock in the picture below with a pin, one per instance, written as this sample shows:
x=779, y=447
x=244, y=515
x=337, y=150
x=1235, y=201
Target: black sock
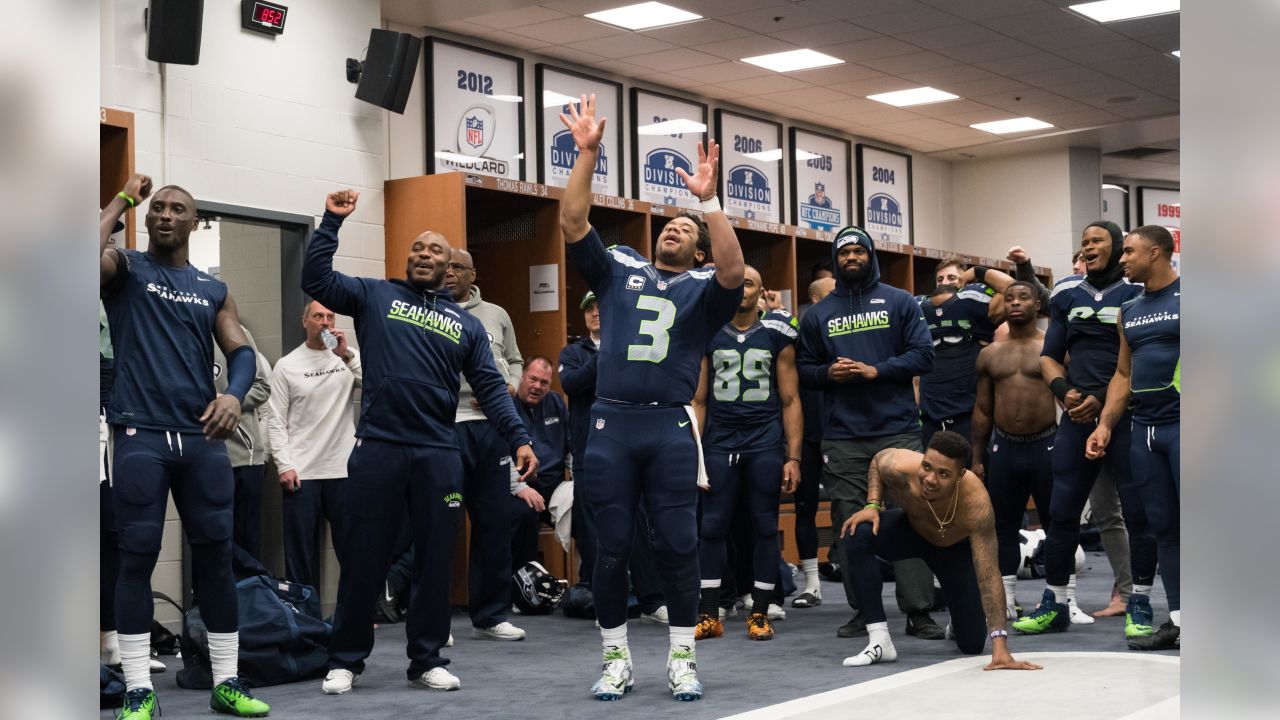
x=710, y=601
x=760, y=599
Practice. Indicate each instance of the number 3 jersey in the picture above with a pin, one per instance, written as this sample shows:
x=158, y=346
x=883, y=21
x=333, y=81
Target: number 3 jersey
x=654, y=324
x=744, y=412
x=1082, y=324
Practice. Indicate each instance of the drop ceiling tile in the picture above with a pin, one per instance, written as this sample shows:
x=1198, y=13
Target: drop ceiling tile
x=872, y=86
x=1148, y=26
x=518, y=17
x=774, y=19
x=1025, y=64
x=885, y=115
x=984, y=9
x=922, y=127
x=950, y=36
x=721, y=8
x=675, y=59
x=1030, y=101
x=894, y=23
x=462, y=27
x=974, y=88
x=801, y=98
x=673, y=80
x=1105, y=54
x=831, y=32
x=1070, y=37
x=568, y=30
x=989, y=50
x=745, y=47
x=899, y=64
x=1081, y=119
x=1038, y=22
x=848, y=108
x=957, y=137
x=1168, y=92
x=1107, y=87
x=860, y=51
x=622, y=46
x=1060, y=76
x=844, y=9
x=510, y=39
x=949, y=109
x=1154, y=107
x=722, y=71
x=697, y=33
x=762, y=85
x=942, y=77
x=575, y=56
x=718, y=93
x=844, y=72
x=984, y=113
x=624, y=68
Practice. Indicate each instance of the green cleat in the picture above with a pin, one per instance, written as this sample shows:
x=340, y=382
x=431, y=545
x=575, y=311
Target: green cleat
x=232, y=697
x=139, y=704
x=1138, y=616
x=1051, y=616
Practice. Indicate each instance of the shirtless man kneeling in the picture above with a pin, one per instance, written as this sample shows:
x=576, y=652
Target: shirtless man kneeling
x=945, y=518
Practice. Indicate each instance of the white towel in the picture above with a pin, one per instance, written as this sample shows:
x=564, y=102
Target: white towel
x=561, y=510
x=703, y=482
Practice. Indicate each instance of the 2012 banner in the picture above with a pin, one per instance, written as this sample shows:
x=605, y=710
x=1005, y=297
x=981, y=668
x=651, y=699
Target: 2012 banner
x=475, y=110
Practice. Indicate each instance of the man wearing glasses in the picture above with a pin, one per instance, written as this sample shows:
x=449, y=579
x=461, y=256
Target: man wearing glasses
x=486, y=465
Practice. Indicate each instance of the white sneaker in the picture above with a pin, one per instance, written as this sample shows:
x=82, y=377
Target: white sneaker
x=731, y=613
x=501, y=631
x=437, y=678
x=338, y=682
x=156, y=665
x=616, y=678
x=450, y=642
x=658, y=617
x=682, y=675
x=873, y=654
x=1078, y=616
x=776, y=612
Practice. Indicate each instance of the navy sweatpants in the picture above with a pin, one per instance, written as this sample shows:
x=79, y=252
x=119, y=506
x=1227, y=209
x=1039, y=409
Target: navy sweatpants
x=806, y=497
x=584, y=526
x=1018, y=467
x=758, y=476
x=1073, y=478
x=953, y=566
x=640, y=453
x=248, y=508
x=146, y=466
x=303, y=509
x=486, y=485
x=391, y=477
x=1155, y=456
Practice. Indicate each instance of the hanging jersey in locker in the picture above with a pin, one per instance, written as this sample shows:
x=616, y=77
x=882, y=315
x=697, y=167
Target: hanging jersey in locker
x=744, y=413
x=655, y=324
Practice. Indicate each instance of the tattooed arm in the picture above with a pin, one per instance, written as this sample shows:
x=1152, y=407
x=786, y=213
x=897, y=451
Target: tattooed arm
x=881, y=476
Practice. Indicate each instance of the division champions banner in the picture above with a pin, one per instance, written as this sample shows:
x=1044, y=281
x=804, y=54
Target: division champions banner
x=665, y=132
x=556, y=89
x=750, y=166
x=884, y=194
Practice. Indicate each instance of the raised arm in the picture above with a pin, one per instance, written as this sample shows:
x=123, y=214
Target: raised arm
x=575, y=204
x=999, y=281
x=1119, y=390
x=336, y=291
x=1023, y=270
x=983, y=411
x=792, y=416
x=724, y=241
x=138, y=188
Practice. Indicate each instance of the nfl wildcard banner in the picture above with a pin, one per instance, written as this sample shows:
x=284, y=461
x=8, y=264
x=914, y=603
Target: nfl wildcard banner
x=665, y=132
x=556, y=90
x=884, y=194
x=820, y=197
x=1158, y=206
x=475, y=117
x=750, y=166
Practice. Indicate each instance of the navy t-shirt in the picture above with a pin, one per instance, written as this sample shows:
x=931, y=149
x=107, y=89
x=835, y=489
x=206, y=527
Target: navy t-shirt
x=655, y=324
x=1151, y=327
x=1082, y=323
x=744, y=412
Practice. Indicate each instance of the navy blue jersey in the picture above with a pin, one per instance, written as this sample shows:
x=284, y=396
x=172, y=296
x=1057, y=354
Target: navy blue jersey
x=959, y=327
x=1151, y=327
x=744, y=412
x=655, y=324
x=548, y=424
x=1082, y=323
x=578, y=378
x=161, y=319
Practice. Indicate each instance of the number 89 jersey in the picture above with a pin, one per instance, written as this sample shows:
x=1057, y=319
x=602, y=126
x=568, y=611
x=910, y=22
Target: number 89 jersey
x=654, y=324
x=744, y=412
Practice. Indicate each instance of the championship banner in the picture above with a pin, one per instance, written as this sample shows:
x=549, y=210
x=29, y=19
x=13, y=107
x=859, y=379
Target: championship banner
x=884, y=194
x=820, y=191
x=556, y=90
x=750, y=166
x=1115, y=204
x=1160, y=206
x=475, y=110
x=665, y=132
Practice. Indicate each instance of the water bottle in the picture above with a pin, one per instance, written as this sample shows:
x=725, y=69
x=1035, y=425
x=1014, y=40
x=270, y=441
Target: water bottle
x=330, y=341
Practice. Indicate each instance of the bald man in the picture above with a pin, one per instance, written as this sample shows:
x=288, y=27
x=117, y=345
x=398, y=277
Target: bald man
x=416, y=342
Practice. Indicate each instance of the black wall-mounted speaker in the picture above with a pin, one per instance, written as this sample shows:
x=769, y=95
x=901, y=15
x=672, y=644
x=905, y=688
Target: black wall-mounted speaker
x=389, y=67
x=173, y=31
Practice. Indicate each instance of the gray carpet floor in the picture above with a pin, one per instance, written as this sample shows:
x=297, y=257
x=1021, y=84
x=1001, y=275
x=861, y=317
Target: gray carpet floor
x=549, y=674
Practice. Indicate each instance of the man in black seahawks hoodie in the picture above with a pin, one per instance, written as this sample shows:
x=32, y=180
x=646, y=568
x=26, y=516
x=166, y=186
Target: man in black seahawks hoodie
x=861, y=346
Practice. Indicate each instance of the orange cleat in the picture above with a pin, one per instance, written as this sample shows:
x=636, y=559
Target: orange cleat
x=758, y=627
x=709, y=626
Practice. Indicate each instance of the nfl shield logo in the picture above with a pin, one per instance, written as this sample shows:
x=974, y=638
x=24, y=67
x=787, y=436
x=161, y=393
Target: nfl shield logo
x=475, y=131
x=600, y=423
x=939, y=311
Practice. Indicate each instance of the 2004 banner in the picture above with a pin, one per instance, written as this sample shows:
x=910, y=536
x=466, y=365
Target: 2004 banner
x=884, y=194
x=475, y=118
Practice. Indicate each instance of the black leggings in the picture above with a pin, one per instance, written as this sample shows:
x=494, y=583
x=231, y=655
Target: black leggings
x=806, y=497
x=1018, y=467
x=953, y=566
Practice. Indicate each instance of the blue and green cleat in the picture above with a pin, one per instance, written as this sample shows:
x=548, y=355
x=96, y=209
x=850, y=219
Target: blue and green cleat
x=1138, y=617
x=1051, y=616
x=232, y=697
x=139, y=704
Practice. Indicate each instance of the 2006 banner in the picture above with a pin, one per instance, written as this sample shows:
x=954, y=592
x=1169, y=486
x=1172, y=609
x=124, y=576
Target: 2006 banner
x=475, y=116
x=750, y=166
x=884, y=194
x=556, y=90
x=665, y=132
x=820, y=197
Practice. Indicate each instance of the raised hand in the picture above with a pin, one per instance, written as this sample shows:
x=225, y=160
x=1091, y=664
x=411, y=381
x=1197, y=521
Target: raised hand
x=703, y=182
x=587, y=132
x=341, y=203
x=138, y=187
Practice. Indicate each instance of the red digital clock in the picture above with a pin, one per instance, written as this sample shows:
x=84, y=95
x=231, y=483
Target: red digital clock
x=263, y=17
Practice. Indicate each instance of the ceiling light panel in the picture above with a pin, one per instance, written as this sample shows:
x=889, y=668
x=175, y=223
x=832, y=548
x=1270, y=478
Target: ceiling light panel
x=793, y=60
x=914, y=96
x=1115, y=10
x=1012, y=125
x=643, y=16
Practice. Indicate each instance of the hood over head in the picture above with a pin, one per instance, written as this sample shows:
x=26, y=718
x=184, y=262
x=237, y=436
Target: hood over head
x=1112, y=272
x=854, y=235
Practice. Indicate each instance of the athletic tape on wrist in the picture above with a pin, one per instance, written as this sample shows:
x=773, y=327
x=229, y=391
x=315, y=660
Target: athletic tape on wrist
x=710, y=205
x=980, y=274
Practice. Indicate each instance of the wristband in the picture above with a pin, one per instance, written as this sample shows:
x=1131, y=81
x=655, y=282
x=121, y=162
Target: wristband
x=125, y=196
x=980, y=274
x=1060, y=387
x=999, y=633
x=874, y=504
x=710, y=206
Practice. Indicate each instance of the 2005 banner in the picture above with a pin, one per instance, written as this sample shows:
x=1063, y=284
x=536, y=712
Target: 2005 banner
x=820, y=192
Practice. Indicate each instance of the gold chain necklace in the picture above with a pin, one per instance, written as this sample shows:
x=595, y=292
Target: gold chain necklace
x=942, y=524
